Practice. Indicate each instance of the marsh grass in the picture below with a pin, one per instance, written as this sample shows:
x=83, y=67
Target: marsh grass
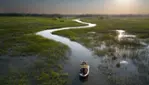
x=20, y=31
x=18, y=39
x=105, y=32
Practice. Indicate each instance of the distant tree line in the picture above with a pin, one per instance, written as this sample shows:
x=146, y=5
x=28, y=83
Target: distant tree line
x=23, y=14
x=101, y=16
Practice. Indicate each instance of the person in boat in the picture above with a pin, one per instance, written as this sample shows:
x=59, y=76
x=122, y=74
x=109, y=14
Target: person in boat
x=84, y=69
x=84, y=65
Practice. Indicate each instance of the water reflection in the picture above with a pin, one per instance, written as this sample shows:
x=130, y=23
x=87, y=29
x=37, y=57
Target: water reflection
x=121, y=61
x=122, y=34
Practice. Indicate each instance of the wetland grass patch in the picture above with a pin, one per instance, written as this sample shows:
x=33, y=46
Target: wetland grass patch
x=18, y=39
x=105, y=32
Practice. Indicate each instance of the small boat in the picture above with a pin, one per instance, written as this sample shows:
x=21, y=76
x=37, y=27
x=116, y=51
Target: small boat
x=84, y=71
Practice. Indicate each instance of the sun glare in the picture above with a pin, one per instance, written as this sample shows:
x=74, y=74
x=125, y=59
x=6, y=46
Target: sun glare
x=124, y=2
x=121, y=6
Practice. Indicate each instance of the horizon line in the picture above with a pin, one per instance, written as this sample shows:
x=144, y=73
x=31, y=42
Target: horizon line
x=71, y=14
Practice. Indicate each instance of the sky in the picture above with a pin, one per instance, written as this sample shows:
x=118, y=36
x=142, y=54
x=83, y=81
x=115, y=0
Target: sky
x=75, y=6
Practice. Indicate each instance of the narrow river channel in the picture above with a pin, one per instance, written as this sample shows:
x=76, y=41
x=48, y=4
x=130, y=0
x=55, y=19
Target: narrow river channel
x=80, y=53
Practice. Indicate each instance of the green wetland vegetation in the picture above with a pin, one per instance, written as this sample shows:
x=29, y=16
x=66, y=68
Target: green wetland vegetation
x=104, y=35
x=103, y=41
x=105, y=29
x=29, y=59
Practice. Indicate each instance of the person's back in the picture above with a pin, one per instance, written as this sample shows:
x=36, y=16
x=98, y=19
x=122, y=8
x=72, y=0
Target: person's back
x=84, y=65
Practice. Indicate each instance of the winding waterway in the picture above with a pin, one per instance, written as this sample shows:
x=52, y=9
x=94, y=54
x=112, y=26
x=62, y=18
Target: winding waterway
x=99, y=75
x=78, y=54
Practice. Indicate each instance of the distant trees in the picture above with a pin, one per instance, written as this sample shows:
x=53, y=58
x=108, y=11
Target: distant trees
x=24, y=14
